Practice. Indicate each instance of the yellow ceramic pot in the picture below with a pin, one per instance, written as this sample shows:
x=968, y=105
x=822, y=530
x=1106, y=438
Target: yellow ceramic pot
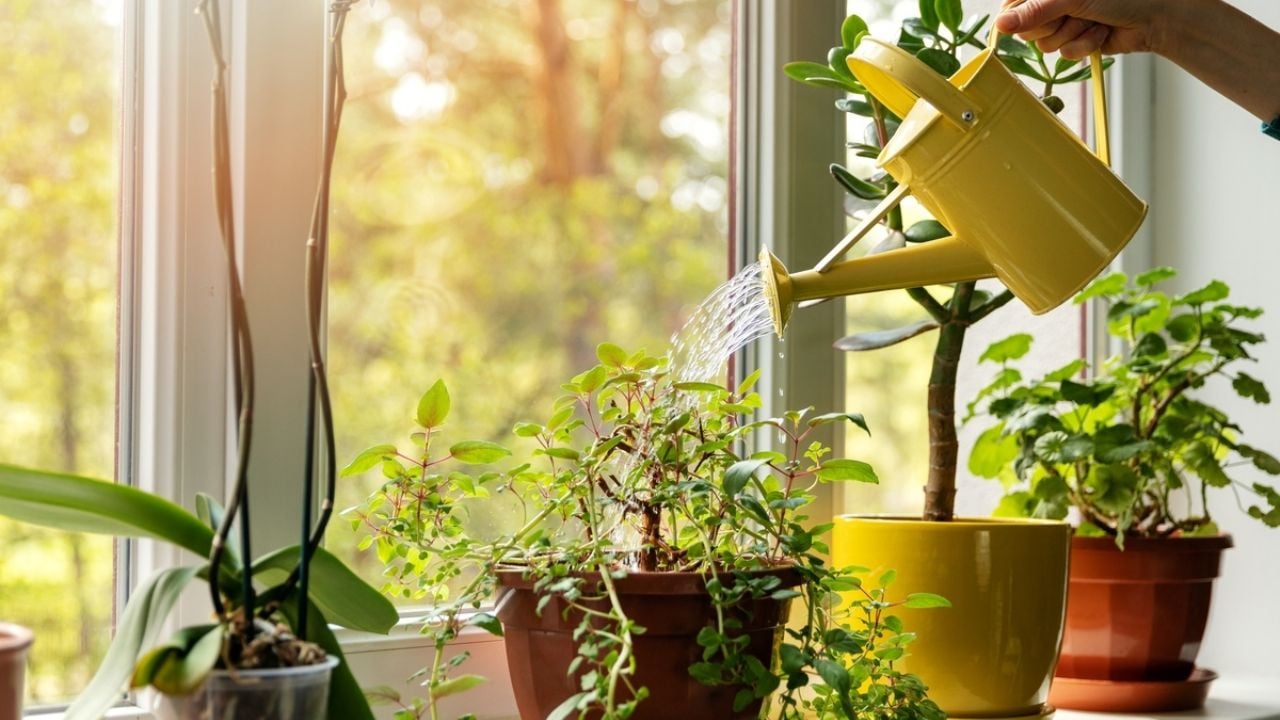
x=992, y=654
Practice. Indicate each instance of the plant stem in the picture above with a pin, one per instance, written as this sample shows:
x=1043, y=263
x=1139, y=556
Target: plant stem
x=944, y=448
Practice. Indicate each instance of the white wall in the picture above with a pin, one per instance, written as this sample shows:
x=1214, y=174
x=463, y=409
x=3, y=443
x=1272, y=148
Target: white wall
x=1215, y=212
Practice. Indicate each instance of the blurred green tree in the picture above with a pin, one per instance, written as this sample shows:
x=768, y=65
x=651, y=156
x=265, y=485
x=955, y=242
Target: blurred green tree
x=58, y=260
x=518, y=180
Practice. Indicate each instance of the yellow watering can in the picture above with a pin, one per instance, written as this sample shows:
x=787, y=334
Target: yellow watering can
x=1027, y=201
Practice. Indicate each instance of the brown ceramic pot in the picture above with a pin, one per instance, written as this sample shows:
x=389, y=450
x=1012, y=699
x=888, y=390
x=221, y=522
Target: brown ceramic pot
x=1138, y=614
x=15, y=640
x=671, y=607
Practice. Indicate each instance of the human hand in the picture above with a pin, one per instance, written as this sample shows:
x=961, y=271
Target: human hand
x=1077, y=28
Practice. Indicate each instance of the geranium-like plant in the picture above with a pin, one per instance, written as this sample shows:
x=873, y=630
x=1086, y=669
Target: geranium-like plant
x=1130, y=446
x=634, y=472
x=938, y=37
x=272, y=611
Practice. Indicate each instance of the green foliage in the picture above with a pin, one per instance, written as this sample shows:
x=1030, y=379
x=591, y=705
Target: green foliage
x=628, y=453
x=1121, y=445
x=70, y=502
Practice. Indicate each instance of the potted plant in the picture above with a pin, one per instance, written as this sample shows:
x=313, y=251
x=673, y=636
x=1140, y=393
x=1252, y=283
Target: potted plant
x=992, y=654
x=654, y=564
x=268, y=653
x=1132, y=454
x=15, y=641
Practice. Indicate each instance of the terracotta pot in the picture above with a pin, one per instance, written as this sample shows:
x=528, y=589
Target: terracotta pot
x=1138, y=614
x=992, y=653
x=15, y=640
x=671, y=607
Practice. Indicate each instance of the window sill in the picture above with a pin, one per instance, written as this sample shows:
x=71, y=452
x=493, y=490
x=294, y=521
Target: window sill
x=1230, y=699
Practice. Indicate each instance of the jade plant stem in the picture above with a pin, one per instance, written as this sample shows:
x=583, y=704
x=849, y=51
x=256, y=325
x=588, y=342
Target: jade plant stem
x=953, y=319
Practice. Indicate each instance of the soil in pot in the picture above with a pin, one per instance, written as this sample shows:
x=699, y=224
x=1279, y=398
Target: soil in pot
x=1138, y=615
x=15, y=641
x=290, y=693
x=671, y=607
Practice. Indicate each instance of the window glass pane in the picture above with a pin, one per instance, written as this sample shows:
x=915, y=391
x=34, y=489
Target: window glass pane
x=517, y=181
x=890, y=385
x=58, y=277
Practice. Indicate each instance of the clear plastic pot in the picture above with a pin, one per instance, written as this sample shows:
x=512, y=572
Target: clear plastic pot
x=296, y=693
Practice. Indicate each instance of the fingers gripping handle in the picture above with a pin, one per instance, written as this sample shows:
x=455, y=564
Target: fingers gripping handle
x=1101, y=126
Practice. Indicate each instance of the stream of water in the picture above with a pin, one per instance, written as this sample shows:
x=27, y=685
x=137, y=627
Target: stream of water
x=733, y=315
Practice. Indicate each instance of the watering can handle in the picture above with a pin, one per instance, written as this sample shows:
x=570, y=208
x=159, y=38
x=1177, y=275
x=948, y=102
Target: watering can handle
x=1101, y=125
x=897, y=79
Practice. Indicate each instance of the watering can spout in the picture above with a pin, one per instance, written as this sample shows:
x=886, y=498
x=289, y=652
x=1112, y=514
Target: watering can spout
x=946, y=260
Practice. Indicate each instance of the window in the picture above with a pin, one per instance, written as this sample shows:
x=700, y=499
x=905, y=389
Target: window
x=59, y=154
x=517, y=182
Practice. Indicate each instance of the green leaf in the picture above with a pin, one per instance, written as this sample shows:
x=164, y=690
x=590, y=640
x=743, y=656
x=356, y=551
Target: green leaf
x=929, y=14
x=433, y=407
x=1105, y=286
x=1250, y=387
x=180, y=666
x=1070, y=370
x=1015, y=504
x=382, y=695
x=942, y=62
x=341, y=594
x=1090, y=395
x=368, y=459
x=856, y=185
x=1112, y=487
x=487, y=622
x=139, y=626
x=698, y=387
x=611, y=355
x=950, y=13
x=1261, y=460
x=478, y=452
x=1011, y=45
x=1010, y=348
x=1215, y=291
x=993, y=451
x=855, y=107
x=453, y=686
x=1155, y=276
x=1059, y=447
x=812, y=73
x=855, y=418
x=864, y=342
x=847, y=470
x=1199, y=456
x=925, y=231
x=346, y=700
x=922, y=601
x=833, y=674
x=740, y=473
x=80, y=504
x=851, y=29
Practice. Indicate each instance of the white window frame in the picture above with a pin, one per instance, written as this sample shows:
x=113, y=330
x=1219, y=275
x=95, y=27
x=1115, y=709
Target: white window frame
x=176, y=432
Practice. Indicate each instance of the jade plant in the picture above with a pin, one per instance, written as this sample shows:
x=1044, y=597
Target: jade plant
x=636, y=472
x=938, y=37
x=270, y=611
x=1130, y=446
